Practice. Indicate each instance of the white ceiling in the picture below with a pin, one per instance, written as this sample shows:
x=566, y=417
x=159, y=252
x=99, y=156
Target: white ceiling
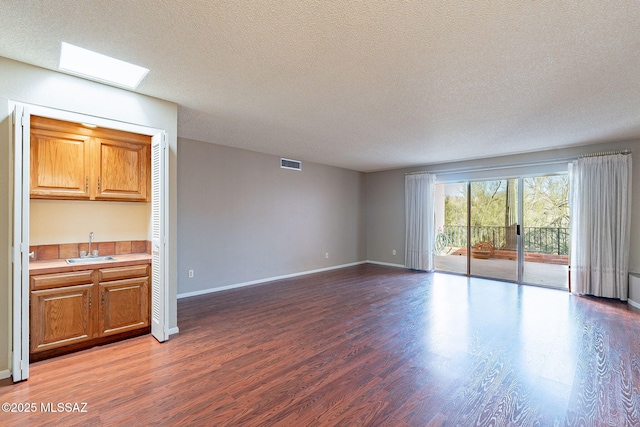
x=365, y=85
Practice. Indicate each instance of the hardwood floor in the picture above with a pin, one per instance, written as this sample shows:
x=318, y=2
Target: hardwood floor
x=365, y=345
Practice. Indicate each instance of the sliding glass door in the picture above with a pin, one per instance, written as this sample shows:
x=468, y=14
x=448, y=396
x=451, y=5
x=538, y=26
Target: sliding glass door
x=451, y=207
x=493, y=229
x=546, y=230
x=514, y=229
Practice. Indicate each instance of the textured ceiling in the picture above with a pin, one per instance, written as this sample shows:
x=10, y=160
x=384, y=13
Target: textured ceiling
x=361, y=84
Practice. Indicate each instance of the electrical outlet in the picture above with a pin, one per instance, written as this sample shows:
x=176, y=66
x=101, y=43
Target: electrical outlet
x=326, y=255
x=190, y=273
x=393, y=252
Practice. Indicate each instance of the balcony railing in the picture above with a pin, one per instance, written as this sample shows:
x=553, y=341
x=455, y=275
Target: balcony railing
x=543, y=240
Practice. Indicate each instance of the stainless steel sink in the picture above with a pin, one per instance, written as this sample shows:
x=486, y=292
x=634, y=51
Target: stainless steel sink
x=89, y=259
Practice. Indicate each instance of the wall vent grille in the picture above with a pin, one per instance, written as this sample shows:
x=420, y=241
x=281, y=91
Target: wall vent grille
x=295, y=165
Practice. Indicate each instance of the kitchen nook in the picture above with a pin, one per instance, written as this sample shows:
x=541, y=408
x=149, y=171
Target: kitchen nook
x=90, y=246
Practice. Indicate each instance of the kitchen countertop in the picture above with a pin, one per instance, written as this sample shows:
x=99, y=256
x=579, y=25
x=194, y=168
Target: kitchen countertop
x=61, y=266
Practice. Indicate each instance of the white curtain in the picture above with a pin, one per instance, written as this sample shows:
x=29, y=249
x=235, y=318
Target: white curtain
x=600, y=202
x=419, y=212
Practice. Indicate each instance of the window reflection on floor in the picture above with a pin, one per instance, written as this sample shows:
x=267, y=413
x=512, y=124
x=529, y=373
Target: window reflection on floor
x=524, y=328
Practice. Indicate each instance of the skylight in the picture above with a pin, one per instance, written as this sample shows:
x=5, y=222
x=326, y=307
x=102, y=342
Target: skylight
x=96, y=66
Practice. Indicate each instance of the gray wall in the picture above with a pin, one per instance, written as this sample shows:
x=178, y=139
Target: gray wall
x=384, y=194
x=241, y=218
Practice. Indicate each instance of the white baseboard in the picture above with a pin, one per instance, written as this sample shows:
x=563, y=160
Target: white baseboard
x=634, y=304
x=387, y=264
x=269, y=279
x=5, y=374
x=173, y=331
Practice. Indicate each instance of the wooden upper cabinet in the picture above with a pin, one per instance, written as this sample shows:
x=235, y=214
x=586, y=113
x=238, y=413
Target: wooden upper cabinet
x=60, y=165
x=71, y=161
x=122, y=170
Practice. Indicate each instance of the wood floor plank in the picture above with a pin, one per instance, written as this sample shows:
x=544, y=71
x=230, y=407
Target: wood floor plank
x=365, y=345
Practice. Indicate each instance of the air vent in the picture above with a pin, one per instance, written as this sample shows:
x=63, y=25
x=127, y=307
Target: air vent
x=295, y=165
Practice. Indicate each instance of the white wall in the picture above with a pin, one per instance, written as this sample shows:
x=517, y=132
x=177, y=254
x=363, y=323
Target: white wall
x=32, y=85
x=385, y=194
x=241, y=218
x=5, y=239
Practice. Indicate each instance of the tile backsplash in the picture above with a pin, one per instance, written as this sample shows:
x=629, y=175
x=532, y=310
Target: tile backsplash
x=72, y=250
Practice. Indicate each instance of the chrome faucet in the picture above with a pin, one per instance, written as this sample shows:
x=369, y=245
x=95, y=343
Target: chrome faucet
x=89, y=254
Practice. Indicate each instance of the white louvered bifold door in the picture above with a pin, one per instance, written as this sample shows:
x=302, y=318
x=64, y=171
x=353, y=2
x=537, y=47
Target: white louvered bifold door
x=20, y=245
x=159, y=264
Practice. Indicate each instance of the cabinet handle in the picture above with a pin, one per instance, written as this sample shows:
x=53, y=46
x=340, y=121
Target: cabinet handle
x=86, y=183
x=98, y=184
x=90, y=300
x=102, y=297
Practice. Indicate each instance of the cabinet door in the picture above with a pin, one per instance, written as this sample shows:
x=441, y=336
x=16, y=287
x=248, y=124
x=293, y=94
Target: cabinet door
x=122, y=170
x=124, y=305
x=60, y=165
x=61, y=316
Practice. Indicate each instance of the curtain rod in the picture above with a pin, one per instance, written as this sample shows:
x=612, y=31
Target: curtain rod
x=490, y=168
x=521, y=164
x=606, y=153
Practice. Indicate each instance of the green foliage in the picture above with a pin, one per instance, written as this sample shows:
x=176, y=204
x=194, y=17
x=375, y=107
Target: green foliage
x=455, y=204
x=546, y=202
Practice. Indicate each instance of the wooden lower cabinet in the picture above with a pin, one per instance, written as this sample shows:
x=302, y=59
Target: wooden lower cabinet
x=124, y=305
x=80, y=309
x=61, y=316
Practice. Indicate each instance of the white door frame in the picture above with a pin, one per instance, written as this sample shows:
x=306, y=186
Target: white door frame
x=20, y=251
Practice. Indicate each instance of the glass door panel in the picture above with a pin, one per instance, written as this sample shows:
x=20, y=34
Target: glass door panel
x=450, y=251
x=546, y=230
x=493, y=229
